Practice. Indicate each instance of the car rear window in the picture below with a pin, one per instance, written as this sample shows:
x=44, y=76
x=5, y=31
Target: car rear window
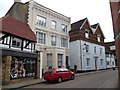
x=61, y=70
x=50, y=71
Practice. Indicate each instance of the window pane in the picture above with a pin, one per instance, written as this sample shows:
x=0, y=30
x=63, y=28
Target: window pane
x=64, y=42
x=88, y=61
x=16, y=42
x=53, y=25
x=41, y=21
x=41, y=37
x=64, y=28
x=98, y=38
x=86, y=34
x=53, y=40
x=87, y=48
x=49, y=60
x=60, y=60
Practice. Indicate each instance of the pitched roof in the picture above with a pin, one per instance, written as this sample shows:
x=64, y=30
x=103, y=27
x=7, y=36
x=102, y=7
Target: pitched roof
x=95, y=26
x=12, y=26
x=77, y=25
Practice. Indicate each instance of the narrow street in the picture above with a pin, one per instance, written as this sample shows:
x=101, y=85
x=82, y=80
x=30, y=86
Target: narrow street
x=91, y=80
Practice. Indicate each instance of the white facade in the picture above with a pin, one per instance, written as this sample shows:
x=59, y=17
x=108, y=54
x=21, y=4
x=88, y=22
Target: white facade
x=51, y=29
x=87, y=56
x=110, y=58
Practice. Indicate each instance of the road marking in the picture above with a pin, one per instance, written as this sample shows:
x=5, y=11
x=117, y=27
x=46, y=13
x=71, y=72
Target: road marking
x=101, y=86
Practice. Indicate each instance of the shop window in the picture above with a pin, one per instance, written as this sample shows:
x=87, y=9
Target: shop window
x=22, y=67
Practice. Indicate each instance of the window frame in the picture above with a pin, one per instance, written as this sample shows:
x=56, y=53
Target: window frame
x=53, y=43
x=50, y=61
x=16, y=42
x=64, y=28
x=53, y=26
x=41, y=21
x=87, y=62
x=87, y=34
x=64, y=42
x=39, y=40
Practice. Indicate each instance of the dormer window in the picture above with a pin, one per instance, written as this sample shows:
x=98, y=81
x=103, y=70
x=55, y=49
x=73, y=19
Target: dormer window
x=86, y=34
x=98, y=38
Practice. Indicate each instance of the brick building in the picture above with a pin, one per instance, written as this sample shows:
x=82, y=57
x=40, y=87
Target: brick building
x=87, y=51
x=115, y=12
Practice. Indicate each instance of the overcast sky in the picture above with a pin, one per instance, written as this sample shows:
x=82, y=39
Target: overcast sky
x=97, y=11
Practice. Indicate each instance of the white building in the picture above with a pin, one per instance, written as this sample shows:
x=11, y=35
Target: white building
x=110, y=54
x=87, y=50
x=51, y=29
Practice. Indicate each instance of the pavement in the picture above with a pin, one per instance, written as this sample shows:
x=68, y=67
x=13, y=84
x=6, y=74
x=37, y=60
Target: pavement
x=112, y=83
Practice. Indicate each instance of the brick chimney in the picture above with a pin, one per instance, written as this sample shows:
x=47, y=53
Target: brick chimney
x=17, y=1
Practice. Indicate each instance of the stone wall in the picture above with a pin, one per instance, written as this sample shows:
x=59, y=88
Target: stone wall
x=6, y=61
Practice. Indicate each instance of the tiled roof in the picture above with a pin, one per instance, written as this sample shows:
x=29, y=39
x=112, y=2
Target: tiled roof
x=94, y=26
x=14, y=27
x=77, y=25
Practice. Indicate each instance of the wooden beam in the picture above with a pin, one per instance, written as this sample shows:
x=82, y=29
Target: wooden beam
x=4, y=37
x=27, y=44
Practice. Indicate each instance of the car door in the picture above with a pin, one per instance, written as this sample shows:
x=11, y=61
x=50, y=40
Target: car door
x=67, y=74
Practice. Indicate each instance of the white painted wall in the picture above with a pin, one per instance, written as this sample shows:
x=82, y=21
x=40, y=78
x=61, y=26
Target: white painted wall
x=92, y=56
x=78, y=55
x=74, y=54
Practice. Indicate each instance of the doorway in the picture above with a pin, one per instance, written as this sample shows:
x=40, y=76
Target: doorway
x=96, y=68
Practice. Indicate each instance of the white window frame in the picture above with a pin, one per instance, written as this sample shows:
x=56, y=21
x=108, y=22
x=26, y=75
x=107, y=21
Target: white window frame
x=49, y=60
x=64, y=42
x=101, y=61
x=41, y=21
x=64, y=28
x=86, y=34
x=98, y=38
x=41, y=39
x=87, y=62
x=16, y=42
x=101, y=51
x=87, y=48
x=53, y=40
x=53, y=24
x=60, y=60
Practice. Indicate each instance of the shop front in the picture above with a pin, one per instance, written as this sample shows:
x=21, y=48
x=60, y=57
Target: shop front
x=18, y=65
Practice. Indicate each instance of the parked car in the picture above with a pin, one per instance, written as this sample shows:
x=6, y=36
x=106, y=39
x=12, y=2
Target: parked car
x=58, y=74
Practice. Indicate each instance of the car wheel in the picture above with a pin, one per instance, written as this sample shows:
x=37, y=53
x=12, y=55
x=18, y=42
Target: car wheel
x=72, y=77
x=59, y=79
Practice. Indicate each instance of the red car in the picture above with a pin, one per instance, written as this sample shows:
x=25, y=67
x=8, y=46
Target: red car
x=58, y=74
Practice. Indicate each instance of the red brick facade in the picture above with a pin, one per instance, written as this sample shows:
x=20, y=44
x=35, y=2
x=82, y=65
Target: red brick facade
x=80, y=33
x=115, y=7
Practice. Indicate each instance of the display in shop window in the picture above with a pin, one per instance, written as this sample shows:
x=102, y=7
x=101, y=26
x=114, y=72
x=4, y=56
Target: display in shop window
x=22, y=67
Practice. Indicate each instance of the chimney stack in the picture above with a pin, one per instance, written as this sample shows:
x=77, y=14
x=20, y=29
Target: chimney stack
x=17, y=1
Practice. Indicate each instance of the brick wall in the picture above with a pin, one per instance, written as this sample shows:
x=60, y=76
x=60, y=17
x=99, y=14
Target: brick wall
x=117, y=42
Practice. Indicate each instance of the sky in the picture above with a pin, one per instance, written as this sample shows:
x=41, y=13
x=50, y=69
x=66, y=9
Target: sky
x=97, y=11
